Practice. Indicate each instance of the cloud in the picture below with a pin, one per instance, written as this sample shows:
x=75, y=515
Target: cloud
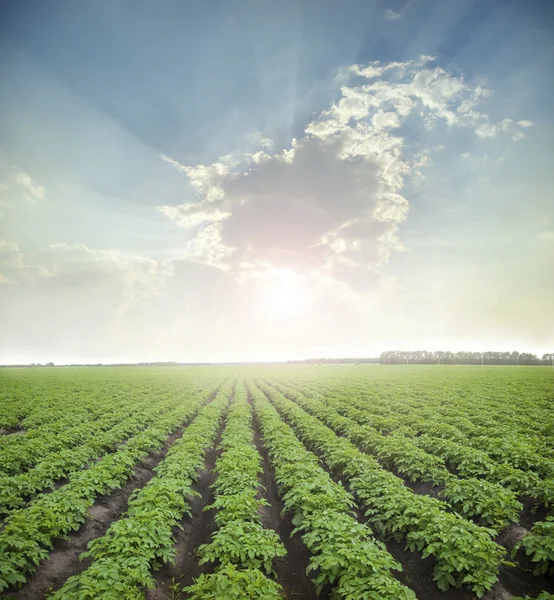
x=66, y=267
x=489, y=130
x=205, y=179
x=331, y=204
x=83, y=302
x=16, y=185
x=16, y=266
x=129, y=279
x=31, y=189
x=11, y=261
x=391, y=15
x=189, y=215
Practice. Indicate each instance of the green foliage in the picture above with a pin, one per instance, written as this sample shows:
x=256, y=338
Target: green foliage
x=483, y=436
x=245, y=543
x=343, y=552
x=241, y=549
x=230, y=582
x=465, y=553
x=495, y=506
x=539, y=545
x=142, y=540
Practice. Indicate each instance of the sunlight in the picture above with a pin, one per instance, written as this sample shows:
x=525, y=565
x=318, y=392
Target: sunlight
x=283, y=293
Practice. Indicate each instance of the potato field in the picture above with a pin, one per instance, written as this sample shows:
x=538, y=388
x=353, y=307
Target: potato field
x=287, y=481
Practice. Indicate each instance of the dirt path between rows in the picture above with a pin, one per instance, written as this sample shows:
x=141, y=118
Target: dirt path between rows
x=291, y=569
x=196, y=530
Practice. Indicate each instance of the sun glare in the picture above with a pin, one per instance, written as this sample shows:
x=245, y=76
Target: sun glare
x=283, y=294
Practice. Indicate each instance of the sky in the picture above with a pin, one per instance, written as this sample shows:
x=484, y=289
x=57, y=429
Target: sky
x=253, y=180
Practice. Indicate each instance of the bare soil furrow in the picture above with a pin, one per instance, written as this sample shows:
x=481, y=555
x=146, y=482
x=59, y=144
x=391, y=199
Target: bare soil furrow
x=291, y=570
x=194, y=531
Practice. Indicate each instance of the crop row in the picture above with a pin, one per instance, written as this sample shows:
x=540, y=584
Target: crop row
x=469, y=496
x=465, y=553
x=501, y=438
x=468, y=462
x=241, y=550
x=22, y=452
x=495, y=506
x=14, y=489
x=73, y=428
x=344, y=554
x=29, y=533
x=142, y=540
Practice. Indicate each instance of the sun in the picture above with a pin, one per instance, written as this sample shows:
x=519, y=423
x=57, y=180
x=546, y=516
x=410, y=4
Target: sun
x=283, y=294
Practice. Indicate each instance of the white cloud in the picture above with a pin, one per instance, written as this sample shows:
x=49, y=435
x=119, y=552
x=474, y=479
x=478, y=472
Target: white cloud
x=32, y=190
x=489, y=130
x=11, y=261
x=18, y=267
x=205, y=179
x=17, y=186
x=390, y=15
x=331, y=205
x=190, y=215
x=4, y=202
x=261, y=141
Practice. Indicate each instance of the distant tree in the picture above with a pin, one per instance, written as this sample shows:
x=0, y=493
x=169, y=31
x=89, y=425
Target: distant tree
x=392, y=357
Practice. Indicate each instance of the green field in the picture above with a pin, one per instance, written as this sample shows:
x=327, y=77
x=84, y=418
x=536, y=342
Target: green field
x=356, y=482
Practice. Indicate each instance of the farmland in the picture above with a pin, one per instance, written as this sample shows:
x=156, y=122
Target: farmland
x=358, y=482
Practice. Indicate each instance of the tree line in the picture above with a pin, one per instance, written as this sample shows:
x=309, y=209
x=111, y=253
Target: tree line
x=425, y=357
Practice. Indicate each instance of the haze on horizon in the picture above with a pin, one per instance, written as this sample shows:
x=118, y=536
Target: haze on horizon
x=268, y=181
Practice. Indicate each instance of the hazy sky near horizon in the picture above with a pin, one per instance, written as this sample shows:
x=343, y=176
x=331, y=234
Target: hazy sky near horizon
x=239, y=180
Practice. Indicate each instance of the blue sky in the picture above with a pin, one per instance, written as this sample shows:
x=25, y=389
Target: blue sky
x=150, y=209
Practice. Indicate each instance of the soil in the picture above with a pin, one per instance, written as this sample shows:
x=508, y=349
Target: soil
x=291, y=569
x=532, y=512
x=194, y=531
x=519, y=580
x=12, y=431
x=63, y=560
x=424, y=488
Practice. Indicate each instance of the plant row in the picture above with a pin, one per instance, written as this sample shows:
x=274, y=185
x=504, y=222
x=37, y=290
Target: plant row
x=491, y=503
x=501, y=436
x=29, y=533
x=465, y=553
x=70, y=430
x=344, y=553
x=241, y=551
x=468, y=462
x=62, y=464
x=538, y=544
x=142, y=539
